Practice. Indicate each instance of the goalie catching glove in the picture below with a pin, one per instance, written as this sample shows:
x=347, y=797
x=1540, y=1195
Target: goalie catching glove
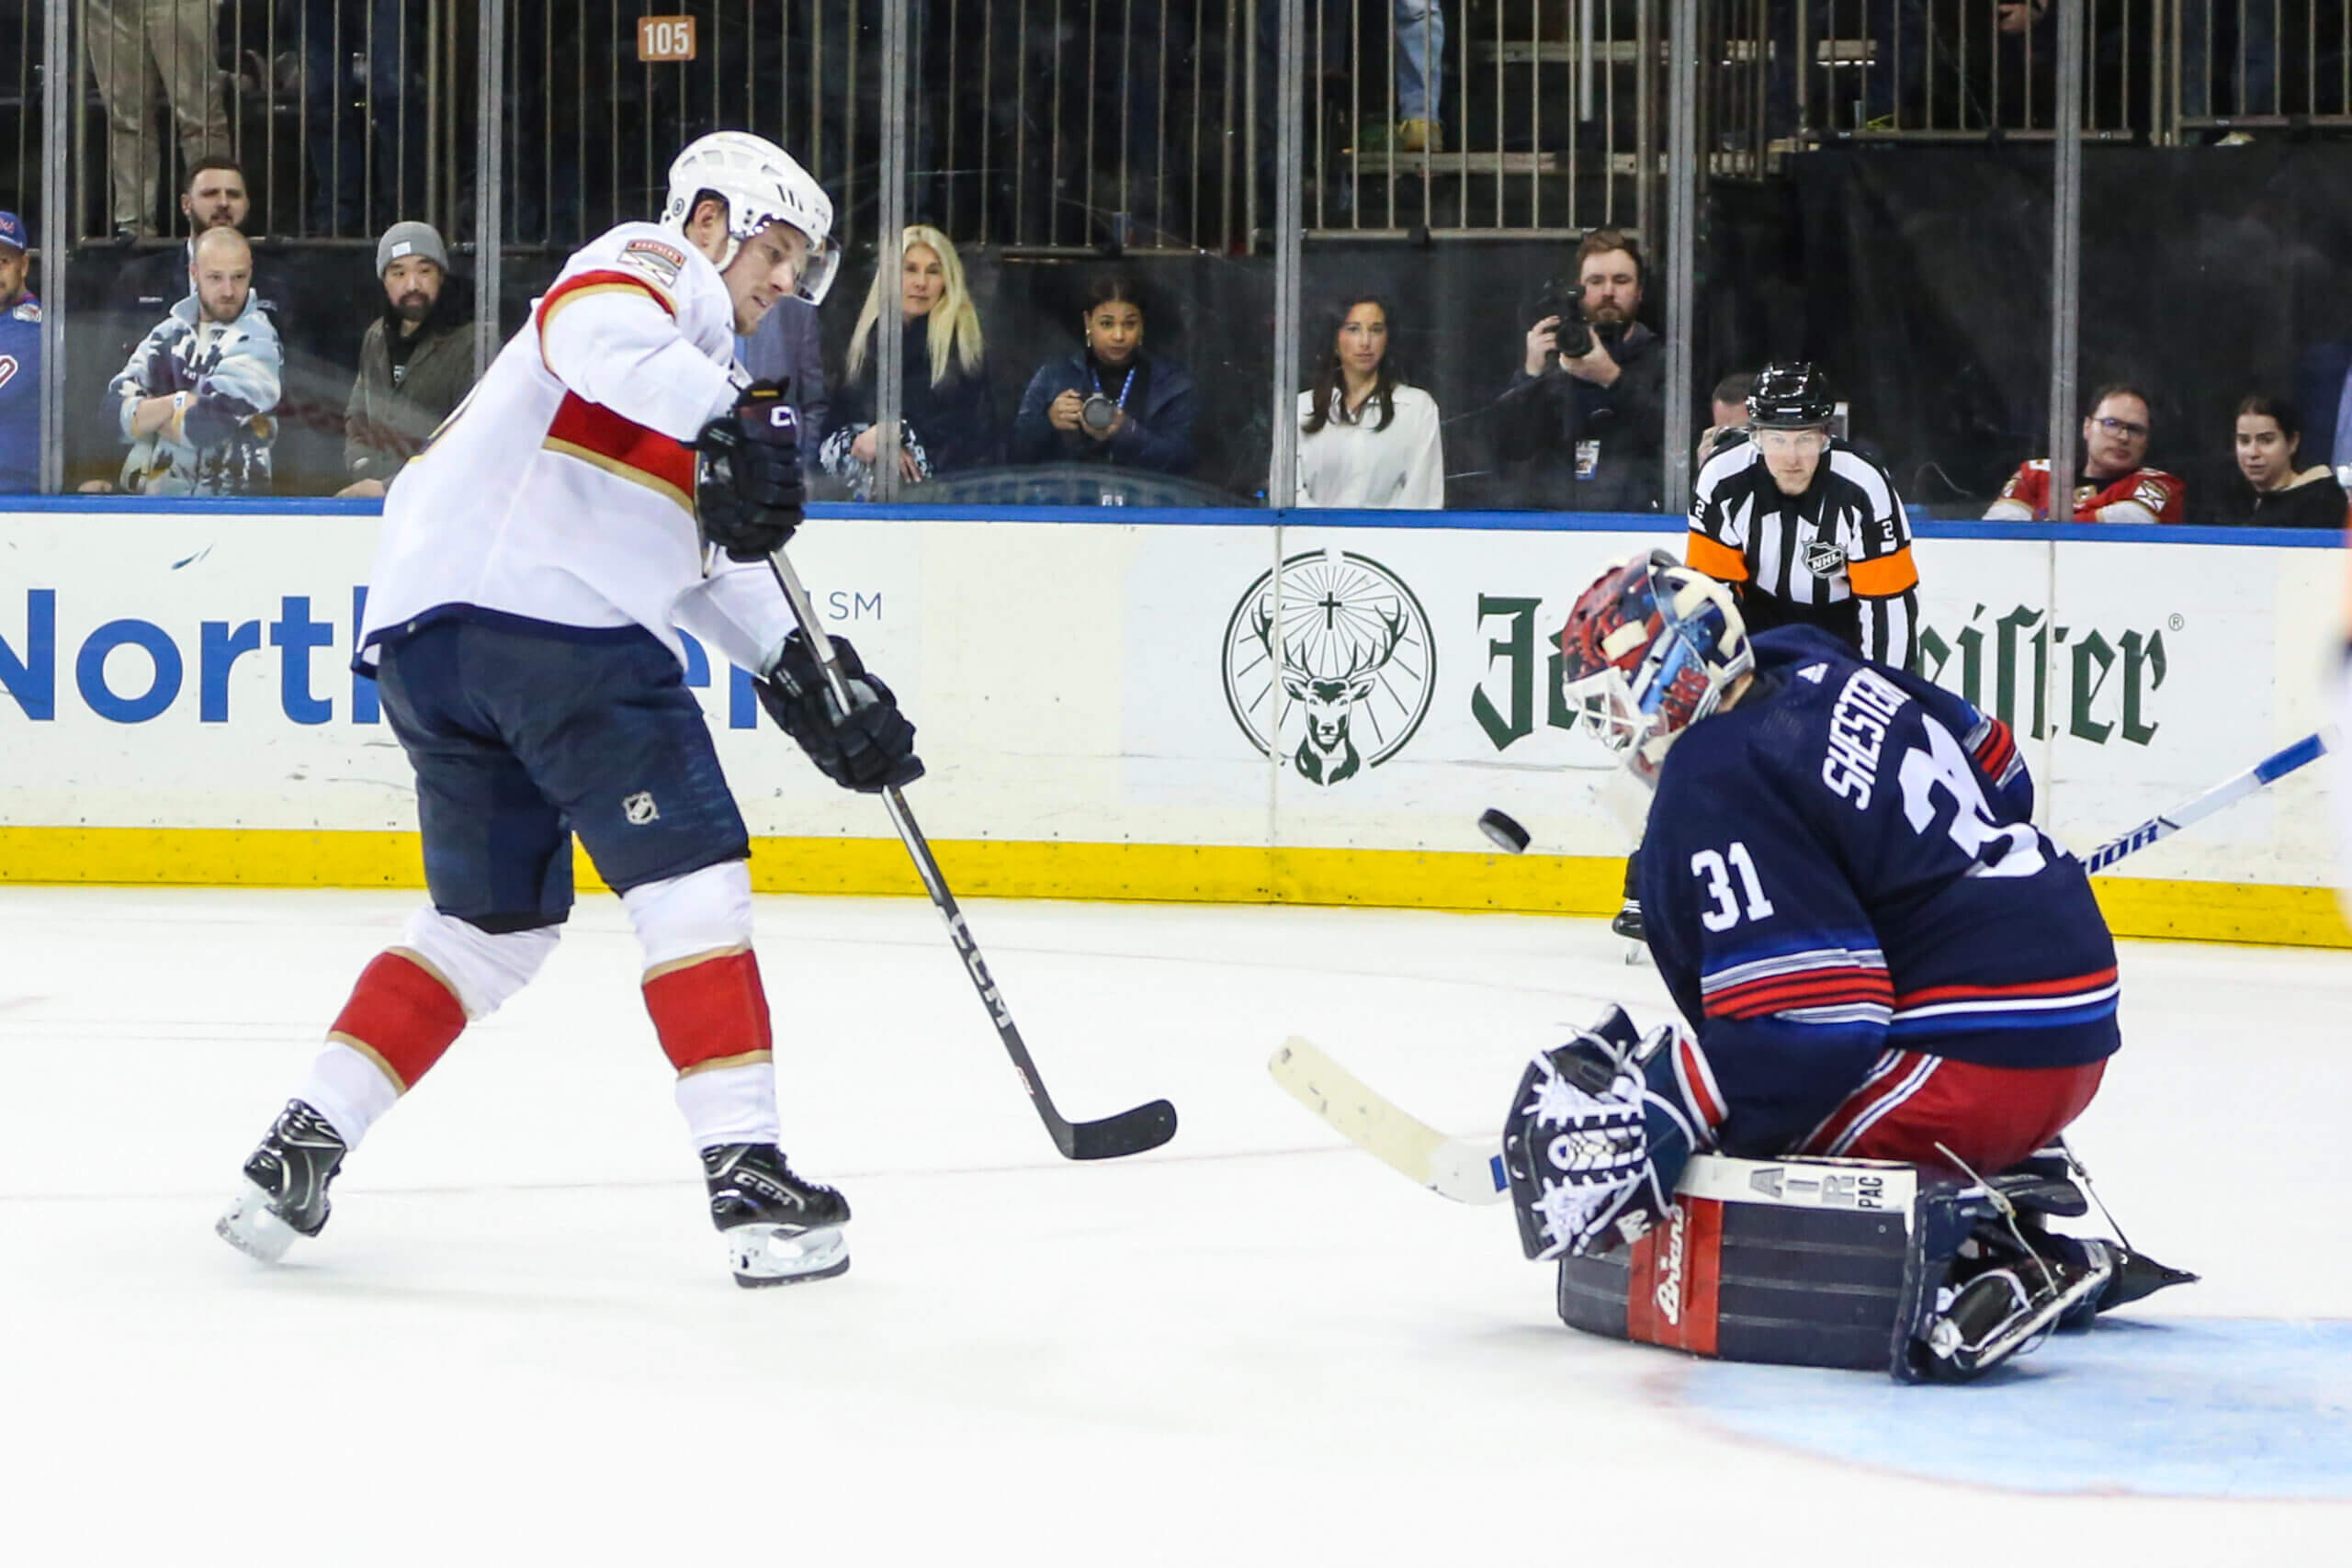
x=1591, y=1150
x=748, y=491
x=871, y=747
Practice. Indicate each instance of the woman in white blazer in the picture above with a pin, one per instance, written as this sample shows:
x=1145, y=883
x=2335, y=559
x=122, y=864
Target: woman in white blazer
x=1365, y=438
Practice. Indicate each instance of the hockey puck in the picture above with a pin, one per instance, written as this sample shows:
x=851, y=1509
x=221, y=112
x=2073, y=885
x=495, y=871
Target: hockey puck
x=1508, y=835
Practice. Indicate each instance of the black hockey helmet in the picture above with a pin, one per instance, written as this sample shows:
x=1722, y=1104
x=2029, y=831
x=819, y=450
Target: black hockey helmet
x=1792, y=396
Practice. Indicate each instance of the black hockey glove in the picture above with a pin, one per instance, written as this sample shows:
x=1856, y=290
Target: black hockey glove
x=872, y=748
x=748, y=491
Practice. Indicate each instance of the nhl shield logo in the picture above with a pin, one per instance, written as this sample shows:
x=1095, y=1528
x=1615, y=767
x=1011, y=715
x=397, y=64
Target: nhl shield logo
x=639, y=808
x=1331, y=664
x=1823, y=557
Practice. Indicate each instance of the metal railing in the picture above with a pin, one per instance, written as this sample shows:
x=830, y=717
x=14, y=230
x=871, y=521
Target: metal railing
x=340, y=112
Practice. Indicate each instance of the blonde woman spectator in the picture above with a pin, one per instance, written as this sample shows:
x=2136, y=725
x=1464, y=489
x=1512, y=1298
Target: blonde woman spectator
x=1365, y=438
x=948, y=421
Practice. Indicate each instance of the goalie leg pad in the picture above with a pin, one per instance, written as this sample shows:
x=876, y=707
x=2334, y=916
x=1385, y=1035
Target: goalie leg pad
x=1854, y=1264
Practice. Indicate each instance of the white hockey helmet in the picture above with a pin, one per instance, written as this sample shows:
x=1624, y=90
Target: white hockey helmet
x=762, y=185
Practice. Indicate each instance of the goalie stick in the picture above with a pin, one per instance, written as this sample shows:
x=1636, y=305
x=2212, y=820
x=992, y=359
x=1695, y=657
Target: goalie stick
x=1129, y=1132
x=1470, y=1170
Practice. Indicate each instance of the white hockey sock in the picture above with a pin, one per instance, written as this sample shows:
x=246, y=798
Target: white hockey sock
x=730, y=1105
x=349, y=1088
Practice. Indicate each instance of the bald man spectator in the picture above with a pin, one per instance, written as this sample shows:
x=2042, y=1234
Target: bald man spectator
x=416, y=362
x=195, y=402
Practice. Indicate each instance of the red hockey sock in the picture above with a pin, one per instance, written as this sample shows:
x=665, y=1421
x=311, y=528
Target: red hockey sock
x=402, y=1014
x=711, y=1014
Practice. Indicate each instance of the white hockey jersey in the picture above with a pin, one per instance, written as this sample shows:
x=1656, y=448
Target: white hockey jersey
x=561, y=489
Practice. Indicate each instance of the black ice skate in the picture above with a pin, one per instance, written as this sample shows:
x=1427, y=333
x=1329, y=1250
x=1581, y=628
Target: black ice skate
x=779, y=1228
x=1628, y=924
x=285, y=1194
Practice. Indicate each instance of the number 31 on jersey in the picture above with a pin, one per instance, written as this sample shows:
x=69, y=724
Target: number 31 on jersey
x=1718, y=872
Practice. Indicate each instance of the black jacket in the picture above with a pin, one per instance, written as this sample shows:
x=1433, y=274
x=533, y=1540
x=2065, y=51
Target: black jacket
x=955, y=421
x=2312, y=500
x=1158, y=436
x=1541, y=421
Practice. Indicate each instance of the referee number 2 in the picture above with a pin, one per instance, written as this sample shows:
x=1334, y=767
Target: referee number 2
x=1717, y=872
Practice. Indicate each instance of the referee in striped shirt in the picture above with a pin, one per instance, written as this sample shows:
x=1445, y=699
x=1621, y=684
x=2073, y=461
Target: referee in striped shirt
x=1805, y=528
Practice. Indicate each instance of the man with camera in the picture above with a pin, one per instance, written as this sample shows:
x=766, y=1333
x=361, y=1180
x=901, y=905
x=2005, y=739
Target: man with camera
x=1587, y=409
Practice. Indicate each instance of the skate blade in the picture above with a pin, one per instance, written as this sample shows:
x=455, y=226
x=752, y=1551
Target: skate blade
x=253, y=1227
x=782, y=1255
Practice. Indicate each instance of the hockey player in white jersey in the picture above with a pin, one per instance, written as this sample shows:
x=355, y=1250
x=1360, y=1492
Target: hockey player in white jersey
x=537, y=561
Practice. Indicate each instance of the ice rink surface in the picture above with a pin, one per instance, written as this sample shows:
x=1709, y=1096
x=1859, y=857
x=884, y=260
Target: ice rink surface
x=517, y=1342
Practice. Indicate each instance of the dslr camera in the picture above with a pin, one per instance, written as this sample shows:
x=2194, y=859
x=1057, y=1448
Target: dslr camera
x=1098, y=413
x=1563, y=297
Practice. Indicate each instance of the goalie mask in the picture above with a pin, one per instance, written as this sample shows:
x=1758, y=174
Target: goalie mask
x=761, y=184
x=1649, y=650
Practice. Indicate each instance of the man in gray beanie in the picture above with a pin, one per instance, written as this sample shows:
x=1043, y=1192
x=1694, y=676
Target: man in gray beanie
x=415, y=363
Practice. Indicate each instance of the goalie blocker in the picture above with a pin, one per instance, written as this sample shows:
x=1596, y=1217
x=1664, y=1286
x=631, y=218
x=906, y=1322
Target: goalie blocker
x=1858, y=1264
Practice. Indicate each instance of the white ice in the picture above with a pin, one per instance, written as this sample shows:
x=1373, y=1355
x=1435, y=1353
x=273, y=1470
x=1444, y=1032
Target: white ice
x=517, y=1342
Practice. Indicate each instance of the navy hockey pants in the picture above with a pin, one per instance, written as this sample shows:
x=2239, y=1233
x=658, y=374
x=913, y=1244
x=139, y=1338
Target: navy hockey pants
x=524, y=734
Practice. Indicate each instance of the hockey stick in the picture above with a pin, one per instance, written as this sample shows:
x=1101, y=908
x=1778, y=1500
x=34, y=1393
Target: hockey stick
x=2276, y=766
x=1470, y=1170
x=1129, y=1133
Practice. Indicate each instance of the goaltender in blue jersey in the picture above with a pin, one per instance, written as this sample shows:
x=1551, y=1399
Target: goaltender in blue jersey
x=1850, y=901
x=1879, y=956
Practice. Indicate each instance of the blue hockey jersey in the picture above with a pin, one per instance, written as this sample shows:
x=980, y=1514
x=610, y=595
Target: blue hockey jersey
x=20, y=397
x=1843, y=865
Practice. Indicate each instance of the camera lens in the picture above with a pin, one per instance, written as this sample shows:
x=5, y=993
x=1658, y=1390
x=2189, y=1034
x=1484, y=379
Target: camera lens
x=1097, y=412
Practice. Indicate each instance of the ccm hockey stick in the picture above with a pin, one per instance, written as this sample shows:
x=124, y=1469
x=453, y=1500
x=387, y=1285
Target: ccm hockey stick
x=1129, y=1133
x=1470, y=1170
x=2276, y=766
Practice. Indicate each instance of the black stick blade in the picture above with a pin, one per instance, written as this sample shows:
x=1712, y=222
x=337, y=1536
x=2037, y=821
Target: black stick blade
x=1129, y=1133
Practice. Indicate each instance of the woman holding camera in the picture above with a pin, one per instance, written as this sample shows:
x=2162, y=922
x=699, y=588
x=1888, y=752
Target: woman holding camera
x=1365, y=437
x=947, y=420
x=1113, y=401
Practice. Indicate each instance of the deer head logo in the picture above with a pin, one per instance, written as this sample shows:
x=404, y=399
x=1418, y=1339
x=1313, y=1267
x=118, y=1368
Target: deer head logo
x=1349, y=647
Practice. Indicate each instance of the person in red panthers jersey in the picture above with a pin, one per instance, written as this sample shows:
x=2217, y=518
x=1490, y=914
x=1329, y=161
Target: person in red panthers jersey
x=2114, y=486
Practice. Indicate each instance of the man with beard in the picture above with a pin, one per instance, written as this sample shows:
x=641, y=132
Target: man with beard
x=146, y=288
x=196, y=398
x=1587, y=409
x=416, y=364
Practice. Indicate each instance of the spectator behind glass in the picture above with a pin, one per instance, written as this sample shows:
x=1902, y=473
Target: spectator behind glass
x=2276, y=494
x=118, y=40
x=194, y=400
x=1727, y=411
x=948, y=421
x=1590, y=424
x=1113, y=400
x=789, y=348
x=1365, y=437
x=19, y=364
x=416, y=362
x=150, y=286
x=2114, y=486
